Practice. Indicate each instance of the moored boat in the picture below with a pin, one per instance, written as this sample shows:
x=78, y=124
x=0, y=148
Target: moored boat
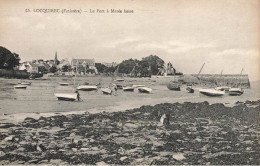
x=174, y=86
x=20, y=86
x=190, y=89
x=128, y=88
x=107, y=91
x=87, y=87
x=211, y=92
x=67, y=96
x=144, y=90
x=236, y=91
x=64, y=84
x=119, y=80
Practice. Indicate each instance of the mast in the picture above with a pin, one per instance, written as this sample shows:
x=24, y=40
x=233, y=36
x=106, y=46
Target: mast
x=200, y=72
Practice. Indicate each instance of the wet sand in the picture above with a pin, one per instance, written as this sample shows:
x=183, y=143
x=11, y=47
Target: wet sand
x=196, y=133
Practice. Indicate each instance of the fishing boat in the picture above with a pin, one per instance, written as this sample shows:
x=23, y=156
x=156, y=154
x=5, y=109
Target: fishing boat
x=190, y=89
x=137, y=86
x=87, y=87
x=211, y=92
x=26, y=83
x=20, y=86
x=144, y=90
x=236, y=91
x=174, y=86
x=64, y=84
x=106, y=91
x=67, y=96
x=128, y=88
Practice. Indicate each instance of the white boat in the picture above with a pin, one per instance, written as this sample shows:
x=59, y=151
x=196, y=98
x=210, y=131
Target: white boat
x=87, y=87
x=106, y=91
x=20, y=86
x=144, y=90
x=128, y=88
x=236, y=91
x=26, y=83
x=67, y=96
x=137, y=86
x=211, y=92
x=64, y=84
x=223, y=88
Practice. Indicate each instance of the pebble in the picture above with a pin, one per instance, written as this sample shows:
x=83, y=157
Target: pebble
x=178, y=156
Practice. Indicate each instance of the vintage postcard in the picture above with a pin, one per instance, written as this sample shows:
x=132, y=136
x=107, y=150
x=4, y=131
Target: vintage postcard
x=133, y=82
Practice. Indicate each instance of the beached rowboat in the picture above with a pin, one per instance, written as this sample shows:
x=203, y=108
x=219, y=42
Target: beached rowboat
x=128, y=89
x=106, y=91
x=144, y=90
x=64, y=84
x=87, y=87
x=67, y=96
x=20, y=86
x=137, y=86
x=211, y=92
x=236, y=91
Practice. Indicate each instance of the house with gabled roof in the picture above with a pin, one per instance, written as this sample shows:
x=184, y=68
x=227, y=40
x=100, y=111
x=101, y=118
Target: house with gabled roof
x=84, y=66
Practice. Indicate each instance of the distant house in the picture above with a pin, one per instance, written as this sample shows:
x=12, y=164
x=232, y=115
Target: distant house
x=83, y=65
x=29, y=67
x=63, y=62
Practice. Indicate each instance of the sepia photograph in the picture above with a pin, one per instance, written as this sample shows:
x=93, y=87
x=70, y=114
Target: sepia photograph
x=132, y=82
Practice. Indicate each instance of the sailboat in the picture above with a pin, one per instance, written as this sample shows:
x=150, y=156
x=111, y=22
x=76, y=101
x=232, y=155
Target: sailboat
x=144, y=90
x=69, y=96
x=119, y=81
x=106, y=91
x=223, y=88
x=190, y=89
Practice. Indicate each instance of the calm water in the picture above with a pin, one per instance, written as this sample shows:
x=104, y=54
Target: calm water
x=39, y=97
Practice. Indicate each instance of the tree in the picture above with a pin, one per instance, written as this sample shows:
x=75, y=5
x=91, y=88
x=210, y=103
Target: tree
x=53, y=69
x=100, y=67
x=7, y=59
x=154, y=62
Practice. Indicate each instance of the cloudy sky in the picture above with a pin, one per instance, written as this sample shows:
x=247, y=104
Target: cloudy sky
x=224, y=34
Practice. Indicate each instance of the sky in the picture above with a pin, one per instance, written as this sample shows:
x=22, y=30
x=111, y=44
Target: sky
x=223, y=34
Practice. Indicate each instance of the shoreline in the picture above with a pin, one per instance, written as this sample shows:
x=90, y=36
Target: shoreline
x=191, y=133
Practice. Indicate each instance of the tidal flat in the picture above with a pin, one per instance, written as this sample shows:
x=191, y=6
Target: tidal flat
x=195, y=133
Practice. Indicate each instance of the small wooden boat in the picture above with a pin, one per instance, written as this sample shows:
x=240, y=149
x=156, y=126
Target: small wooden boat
x=211, y=92
x=128, y=89
x=67, y=96
x=137, y=86
x=20, y=86
x=190, y=89
x=119, y=86
x=174, y=86
x=26, y=83
x=87, y=87
x=64, y=84
x=236, y=91
x=223, y=88
x=144, y=90
x=106, y=91
x=119, y=80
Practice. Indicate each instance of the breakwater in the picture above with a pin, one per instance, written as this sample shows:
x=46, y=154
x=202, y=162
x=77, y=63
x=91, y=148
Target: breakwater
x=213, y=80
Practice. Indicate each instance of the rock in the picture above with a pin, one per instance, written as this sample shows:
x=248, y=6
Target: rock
x=10, y=138
x=101, y=163
x=178, y=156
x=74, y=149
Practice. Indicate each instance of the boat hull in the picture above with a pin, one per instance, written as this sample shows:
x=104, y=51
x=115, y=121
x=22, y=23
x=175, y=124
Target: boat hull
x=20, y=87
x=87, y=88
x=66, y=96
x=106, y=91
x=190, y=90
x=211, y=92
x=128, y=89
x=64, y=84
x=144, y=90
x=173, y=87
x=235, y=92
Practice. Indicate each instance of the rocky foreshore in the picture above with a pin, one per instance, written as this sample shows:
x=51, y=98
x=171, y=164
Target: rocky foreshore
x=164, y=134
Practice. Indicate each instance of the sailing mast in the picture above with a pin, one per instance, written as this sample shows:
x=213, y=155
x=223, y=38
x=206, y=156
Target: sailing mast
x=200, y=72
